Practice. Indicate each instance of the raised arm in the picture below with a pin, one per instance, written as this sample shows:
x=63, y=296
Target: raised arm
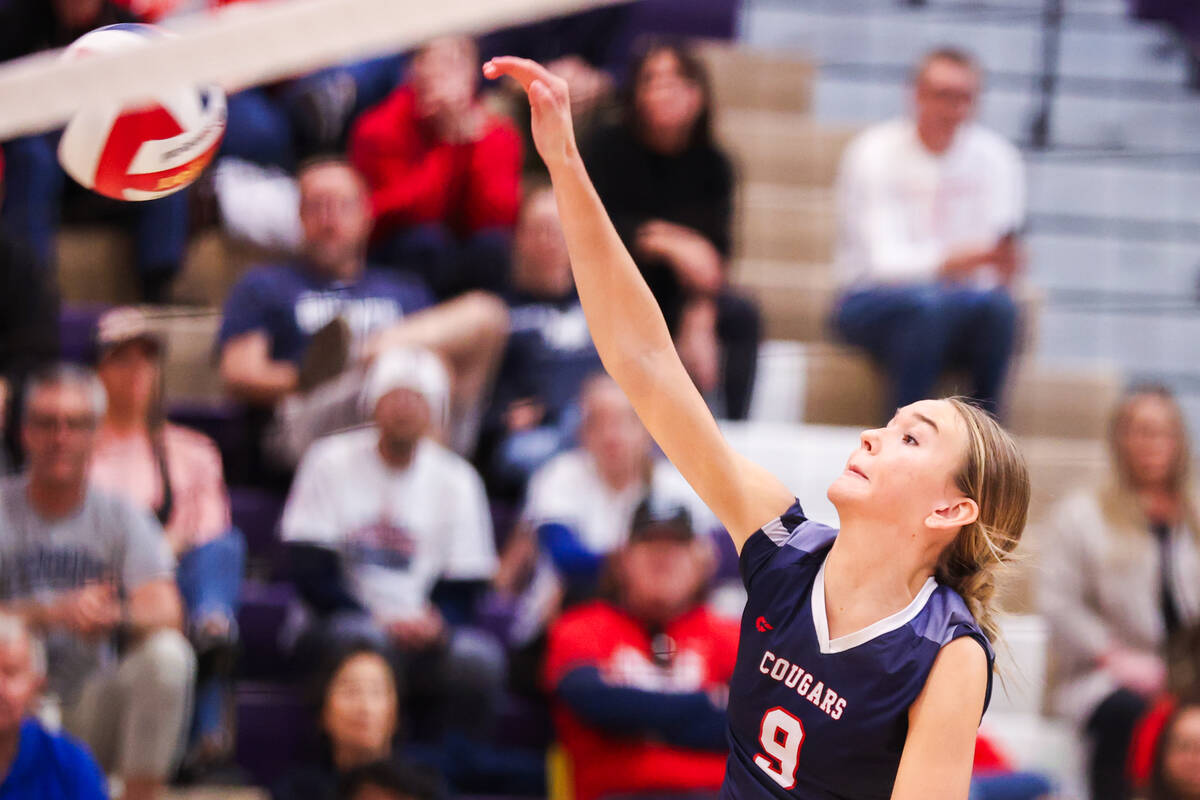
x=629, y=330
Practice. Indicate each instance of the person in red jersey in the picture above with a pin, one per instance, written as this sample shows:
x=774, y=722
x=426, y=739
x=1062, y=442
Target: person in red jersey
x=639, y=679
x=443, y=172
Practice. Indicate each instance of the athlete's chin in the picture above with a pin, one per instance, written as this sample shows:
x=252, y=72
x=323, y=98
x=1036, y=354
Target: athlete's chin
x=848, y=490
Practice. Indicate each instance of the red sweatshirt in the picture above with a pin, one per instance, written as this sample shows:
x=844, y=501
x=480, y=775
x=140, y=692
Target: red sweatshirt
x=414, y=178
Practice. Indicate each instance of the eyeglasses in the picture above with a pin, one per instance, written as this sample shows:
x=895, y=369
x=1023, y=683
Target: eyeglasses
x=78, y=423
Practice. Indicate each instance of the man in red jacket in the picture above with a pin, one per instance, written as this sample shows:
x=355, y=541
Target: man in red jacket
x=444, y=173
x=639, y=680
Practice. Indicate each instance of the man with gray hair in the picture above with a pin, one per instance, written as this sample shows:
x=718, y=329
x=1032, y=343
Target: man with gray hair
x=33, y=761
x=85, y=569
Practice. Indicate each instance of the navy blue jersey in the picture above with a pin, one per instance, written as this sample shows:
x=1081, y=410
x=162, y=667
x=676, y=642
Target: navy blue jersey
x=811, y=717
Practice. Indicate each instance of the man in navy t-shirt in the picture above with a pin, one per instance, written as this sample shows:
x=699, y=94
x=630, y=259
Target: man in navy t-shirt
x=297, y=337
x=534, y=410
x=33, y=761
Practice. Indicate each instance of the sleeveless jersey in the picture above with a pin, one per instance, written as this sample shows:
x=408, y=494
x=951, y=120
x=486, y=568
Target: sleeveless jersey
x=812, y=718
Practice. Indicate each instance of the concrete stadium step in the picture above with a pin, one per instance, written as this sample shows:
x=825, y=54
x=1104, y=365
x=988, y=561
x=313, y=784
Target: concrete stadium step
x=1065, y=262
x=95, y=265
x=1007, y=40
x=758, y=79
x=785, y=223
x=1113, y=190
x=781, y=148
x=830, y=384
x=797, y=299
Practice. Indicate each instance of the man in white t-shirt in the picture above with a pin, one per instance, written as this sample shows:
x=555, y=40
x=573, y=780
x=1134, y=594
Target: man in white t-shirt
x=377, y=517
x=929, y=212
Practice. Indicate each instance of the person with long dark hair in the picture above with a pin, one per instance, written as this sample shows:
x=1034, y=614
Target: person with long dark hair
x=669, y=188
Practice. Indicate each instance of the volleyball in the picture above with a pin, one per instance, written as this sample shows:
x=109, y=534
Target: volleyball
x=144, y=152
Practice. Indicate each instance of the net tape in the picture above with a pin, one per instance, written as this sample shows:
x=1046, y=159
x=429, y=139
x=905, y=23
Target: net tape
x=246, y=44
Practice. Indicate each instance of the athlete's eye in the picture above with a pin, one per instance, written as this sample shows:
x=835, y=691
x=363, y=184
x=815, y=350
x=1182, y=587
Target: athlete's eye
x=910, y=439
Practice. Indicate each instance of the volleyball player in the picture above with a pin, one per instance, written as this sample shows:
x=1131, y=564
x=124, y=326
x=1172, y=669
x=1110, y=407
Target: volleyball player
x=864, y=662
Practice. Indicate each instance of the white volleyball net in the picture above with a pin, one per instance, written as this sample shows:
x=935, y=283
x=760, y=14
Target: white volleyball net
x=246, y=44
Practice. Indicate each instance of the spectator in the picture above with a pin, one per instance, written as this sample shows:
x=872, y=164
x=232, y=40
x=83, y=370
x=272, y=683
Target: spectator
x=33, y=761
x=83, y=566
x=637, y=679
x=669, y=189
x=579, y=506
x=993, y=777
x=1122, y=578
x=443, y=172
x=270, y=351
x=549, y=355
x=1176, y=771
x=28, y=329
x=376, y=518
x=175, y=474
x=33, y=202
x=928, y=214
x=358, y=714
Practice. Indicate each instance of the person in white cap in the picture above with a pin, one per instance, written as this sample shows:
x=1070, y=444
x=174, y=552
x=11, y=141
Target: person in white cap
x=376, y=518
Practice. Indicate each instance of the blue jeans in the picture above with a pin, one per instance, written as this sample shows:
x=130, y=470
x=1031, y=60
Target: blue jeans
x=1009, y=786
x=917, y=332
x=34, y=184
x=210, y=581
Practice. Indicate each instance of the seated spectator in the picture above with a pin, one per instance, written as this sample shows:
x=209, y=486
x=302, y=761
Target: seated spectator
x=638, y=678
x=1121, y=571
x=579, y=506
x=175, y=474
x=33, y=761
x=28, y=329
x=928, y=214
x=669, y=190
x=444, y=173
x=36, y=182
x=358, y=714
x=376, y=518
x=549, y=355
x=82, y=566
x=1175, y=774
x=271, y=354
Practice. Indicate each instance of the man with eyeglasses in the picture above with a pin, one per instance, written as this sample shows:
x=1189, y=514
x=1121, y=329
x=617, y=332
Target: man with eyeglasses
x=929, y=213
x=89, y=572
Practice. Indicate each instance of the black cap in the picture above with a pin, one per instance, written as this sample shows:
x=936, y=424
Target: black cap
x=661, y=519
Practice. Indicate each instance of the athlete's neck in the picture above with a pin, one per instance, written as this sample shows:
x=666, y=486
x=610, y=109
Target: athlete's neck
x=865, y=582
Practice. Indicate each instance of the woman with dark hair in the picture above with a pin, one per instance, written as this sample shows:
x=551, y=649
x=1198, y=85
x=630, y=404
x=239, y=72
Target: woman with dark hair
x=1122, y=580
x=356, y=706
x=1176, y=771
x=669, y=190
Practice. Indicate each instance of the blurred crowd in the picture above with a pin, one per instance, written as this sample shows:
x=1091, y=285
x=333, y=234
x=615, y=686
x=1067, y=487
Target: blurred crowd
x=473, y=518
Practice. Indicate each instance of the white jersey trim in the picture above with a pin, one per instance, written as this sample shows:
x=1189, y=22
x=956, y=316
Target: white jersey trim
x=852, y=640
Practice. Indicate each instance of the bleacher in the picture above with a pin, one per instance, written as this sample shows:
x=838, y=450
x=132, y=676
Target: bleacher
x=813, y=393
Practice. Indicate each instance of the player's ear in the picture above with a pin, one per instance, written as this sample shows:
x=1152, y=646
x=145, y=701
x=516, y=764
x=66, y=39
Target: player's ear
x=953, y=514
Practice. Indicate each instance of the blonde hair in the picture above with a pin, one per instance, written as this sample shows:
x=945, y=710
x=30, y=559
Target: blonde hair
x=1118, y=496
x=995, y=476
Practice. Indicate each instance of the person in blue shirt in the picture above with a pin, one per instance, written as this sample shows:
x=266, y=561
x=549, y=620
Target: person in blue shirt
x=33, y=761
x=534, y=410
x=864, y=660
x=297, y=337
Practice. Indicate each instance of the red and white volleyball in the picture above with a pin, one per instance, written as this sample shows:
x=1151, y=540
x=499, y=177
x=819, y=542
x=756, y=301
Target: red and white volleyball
x=146, y=152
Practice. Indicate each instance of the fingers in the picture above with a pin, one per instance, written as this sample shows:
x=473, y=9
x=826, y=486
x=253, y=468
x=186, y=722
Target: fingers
x=523, y=70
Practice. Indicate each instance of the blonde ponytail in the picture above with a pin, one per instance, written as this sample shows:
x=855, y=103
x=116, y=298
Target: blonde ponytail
x=995, y=476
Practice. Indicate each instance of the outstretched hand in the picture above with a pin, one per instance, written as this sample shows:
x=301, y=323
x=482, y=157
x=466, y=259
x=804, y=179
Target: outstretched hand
x=549, y=103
